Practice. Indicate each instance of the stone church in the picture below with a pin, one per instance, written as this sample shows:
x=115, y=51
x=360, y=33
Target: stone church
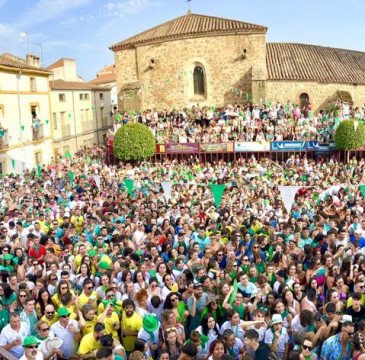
x=207, y=60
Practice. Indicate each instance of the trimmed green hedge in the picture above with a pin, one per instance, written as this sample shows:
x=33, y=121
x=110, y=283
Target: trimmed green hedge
x=134, y=141
x=346, y=138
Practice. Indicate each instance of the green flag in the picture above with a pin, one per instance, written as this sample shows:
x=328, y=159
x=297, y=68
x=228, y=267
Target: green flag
x=69, y=115
x=71, y=174
x=129, y=185
x=180, y=308
x=13, y=164
x=22, y=127
x=362, y=188
x=247, y=96
x=68, y=155
x=39, y=170
x=217, y=191
x=47, y=121
x=153, y=274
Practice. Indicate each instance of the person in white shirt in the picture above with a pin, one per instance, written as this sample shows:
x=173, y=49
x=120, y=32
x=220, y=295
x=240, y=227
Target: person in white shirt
x=68, y=330
x=31, y=351
x=277, y=336
x=13, y=335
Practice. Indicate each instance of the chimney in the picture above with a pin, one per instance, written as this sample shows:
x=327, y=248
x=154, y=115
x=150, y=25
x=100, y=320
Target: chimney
x=33, y=60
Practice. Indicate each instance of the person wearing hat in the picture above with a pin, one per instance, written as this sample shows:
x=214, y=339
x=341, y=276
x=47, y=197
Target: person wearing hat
x=150, y=332
x=90, y=343
x=31, y=352
x=68, y=330
x=277, y=336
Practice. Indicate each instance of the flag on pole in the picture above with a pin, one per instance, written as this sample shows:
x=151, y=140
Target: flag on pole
x=217, y=191
x=129, y=185
x=362, y=188
x=288, y=195
x=167, y=186
x=97, y=180
x=71, y=174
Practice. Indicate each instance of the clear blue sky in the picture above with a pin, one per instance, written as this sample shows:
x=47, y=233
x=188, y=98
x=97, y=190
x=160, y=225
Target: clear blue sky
x=84, y=29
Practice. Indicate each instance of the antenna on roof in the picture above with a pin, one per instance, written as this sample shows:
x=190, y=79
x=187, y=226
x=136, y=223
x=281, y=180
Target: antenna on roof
x=189, y=3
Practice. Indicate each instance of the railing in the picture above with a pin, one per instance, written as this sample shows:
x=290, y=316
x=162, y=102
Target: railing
x=4, y=139
x=66, y=130
x=4, y=354
x=87, y=125
x=38, y=133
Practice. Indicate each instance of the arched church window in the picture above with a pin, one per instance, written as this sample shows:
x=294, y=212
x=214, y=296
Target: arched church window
x=199, y=87
x=303, y=100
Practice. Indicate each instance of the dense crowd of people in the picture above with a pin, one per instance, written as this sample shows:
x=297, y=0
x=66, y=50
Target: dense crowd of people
x=89, y=270
x=250, y=122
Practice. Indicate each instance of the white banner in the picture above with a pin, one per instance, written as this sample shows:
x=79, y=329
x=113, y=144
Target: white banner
x=97, y=180
x=356, y=124
x=288, y=195
x=167, y=186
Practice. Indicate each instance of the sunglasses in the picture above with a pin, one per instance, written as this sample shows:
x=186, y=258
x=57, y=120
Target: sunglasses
x=65, y=316
x=89, y=288
x=305, y=347
x=349, y=333
x=22, y=295
x=45, y=329
x=32, y=347
x=50, y=312
x=111, y=295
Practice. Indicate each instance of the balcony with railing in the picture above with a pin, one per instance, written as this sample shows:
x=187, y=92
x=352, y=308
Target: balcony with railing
x=66, y=130
x=38, y=133
x=87, y=126
x=4, y=138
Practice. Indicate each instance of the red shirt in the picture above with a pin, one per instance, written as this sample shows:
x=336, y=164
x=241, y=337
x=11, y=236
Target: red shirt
x=37, y=254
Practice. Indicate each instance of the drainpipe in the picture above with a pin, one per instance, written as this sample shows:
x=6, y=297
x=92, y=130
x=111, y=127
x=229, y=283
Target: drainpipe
x=96, y=118
x=20, y=117
x=73, y=109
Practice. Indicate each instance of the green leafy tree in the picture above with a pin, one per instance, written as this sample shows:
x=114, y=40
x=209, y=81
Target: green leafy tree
x=134, y=141
x=346, y=138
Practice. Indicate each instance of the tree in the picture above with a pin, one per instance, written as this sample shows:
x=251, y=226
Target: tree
x=134, y=141
x=346, y=138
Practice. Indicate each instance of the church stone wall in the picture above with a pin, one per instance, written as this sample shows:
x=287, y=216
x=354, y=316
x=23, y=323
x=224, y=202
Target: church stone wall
x=321, y=96
x=168, y=81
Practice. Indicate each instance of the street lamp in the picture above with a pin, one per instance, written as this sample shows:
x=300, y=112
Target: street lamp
x=25, y=34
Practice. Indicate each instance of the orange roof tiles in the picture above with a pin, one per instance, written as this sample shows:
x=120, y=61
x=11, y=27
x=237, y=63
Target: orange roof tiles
x=189, y=25
x=287, y=61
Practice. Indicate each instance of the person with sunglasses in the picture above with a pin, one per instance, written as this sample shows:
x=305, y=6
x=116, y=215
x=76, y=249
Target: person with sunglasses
x=42, y=335
x=68, y=330
x=31, y=351
x=339, y=345
x=306, y=353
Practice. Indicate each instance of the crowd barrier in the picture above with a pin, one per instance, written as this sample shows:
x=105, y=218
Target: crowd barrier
x=234, y=150
x=245, y=146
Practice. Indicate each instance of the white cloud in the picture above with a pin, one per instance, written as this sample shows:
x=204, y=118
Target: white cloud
x=122, y=8
x=45, y=10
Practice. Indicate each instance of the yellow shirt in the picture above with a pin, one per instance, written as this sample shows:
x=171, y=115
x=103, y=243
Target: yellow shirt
x=134, y=324
x=83, y=300
x=89, y=326
x=109, y=325
x=57, y=301
x=78, y=222
x=88, y=344
x=50, y=322
x=349, y=301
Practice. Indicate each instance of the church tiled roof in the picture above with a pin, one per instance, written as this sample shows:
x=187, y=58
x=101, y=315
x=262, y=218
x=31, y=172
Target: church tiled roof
x=286, y=61
x=187, y=26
